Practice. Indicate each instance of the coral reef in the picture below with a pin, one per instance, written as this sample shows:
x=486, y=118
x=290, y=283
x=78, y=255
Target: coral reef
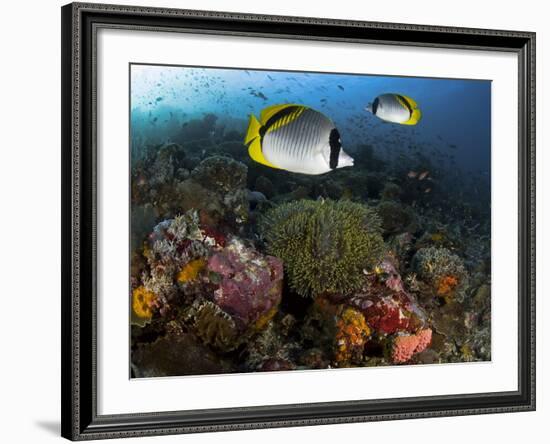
x=265, y=186
x=176, y=353
x=213, y=326
x=324, y=245
x=442, y=270
x=391, y=191
x=271, y=350
x=352, y=333
x=191, y=270
x=176, y=183
x=405, y=346
x=392, y=256
x=396, y=217
x=143, y=302
x=220, y=174
x=217, y=289
x=250, y=284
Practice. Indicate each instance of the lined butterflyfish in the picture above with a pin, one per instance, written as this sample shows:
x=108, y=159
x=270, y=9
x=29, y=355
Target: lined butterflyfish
x=295, y=138
x=395, y=108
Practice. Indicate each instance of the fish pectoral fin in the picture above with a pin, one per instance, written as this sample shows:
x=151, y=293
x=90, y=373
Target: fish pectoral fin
x=415, y=117
x=270, y=111
x=256, y=154
x=253, y=130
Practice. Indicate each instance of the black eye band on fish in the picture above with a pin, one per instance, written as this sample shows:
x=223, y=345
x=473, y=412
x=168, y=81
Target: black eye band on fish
x=406, y=103
x=276, y=117
x=335, y=146
x=375, y=105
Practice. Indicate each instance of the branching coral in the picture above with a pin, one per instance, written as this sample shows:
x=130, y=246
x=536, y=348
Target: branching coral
x=324, y=245
x=443, y=270
x=172, y=245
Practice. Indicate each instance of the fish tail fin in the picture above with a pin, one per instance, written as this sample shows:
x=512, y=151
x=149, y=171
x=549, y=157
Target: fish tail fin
x=253, y=130
x=256, y=154
x=415, y=117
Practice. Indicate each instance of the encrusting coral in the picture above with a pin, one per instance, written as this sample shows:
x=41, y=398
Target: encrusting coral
x=442, y=270
x=143, y=302
x=249, y=284
x=352, y=333
x=325, y=245
x=191, y=270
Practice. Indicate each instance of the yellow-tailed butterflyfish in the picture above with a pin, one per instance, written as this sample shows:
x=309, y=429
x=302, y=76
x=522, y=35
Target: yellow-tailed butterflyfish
x=295, y=138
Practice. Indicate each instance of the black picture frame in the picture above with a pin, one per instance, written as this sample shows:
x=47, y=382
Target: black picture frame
x=79, y=396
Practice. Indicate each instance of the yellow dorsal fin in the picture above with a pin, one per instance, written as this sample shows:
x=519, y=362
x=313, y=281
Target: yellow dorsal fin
x=255, y=152
x=253, y=130
x=412, y=103
x=415, y=117
x=286, y=119
x=270, y=111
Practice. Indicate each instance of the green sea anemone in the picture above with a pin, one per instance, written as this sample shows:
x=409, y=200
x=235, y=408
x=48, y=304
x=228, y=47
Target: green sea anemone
x=324, y=245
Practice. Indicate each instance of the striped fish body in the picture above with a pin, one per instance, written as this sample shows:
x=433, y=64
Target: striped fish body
x=297, y=139
x=396, y=108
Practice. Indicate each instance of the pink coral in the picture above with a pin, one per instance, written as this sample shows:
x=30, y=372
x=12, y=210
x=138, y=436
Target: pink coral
x=251, y=284
x=220, y=263
x=404, y=347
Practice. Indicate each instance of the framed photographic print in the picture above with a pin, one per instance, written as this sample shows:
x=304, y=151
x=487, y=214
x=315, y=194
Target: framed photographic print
x=278, y=221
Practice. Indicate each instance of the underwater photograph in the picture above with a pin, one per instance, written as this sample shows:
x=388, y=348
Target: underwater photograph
x=289, y=220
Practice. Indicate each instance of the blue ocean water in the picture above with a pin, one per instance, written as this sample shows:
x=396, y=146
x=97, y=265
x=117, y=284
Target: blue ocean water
x=456, y=113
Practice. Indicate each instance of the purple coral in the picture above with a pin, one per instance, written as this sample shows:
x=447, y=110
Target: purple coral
x=251, y=283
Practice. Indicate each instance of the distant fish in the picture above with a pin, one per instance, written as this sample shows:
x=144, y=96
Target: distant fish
x=270, y=78
x=341, y=87
x=297, y=139
x=158, y=99
x=395, y=108
x=427, y=190
x=423, y=175
x=258, y=94
x=412, y=174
